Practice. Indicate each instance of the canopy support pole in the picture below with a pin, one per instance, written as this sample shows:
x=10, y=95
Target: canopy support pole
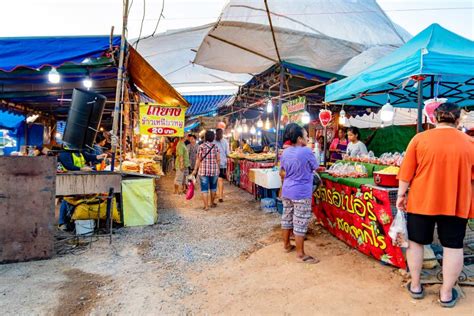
x=273, y=32
x=118, y=91
x=419, y=121
x=242, y=48
x=282, y=81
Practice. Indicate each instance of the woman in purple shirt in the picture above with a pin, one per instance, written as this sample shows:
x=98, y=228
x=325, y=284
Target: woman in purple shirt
x=297, y=164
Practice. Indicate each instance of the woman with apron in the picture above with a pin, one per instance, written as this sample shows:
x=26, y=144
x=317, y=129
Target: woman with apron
x=338, y=146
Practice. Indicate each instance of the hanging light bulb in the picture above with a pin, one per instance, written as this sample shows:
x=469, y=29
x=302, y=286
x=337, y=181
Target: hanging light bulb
x=305, y=118
x=342, y=117
x=260, y=123
x=246, y=128
x=54, y=76
x=268, y=125
x=387, y=112
x=240, y=129
x=269, y=106
x=253, y=130
x=87, y=83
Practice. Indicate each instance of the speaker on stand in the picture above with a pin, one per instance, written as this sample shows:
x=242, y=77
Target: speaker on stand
x=83, y=121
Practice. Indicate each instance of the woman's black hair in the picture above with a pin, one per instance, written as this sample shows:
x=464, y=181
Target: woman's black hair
x=292, y=132
x=99, y=138
x=354, y=130
x=448, y=112
x=192, y=135
x=210, y=136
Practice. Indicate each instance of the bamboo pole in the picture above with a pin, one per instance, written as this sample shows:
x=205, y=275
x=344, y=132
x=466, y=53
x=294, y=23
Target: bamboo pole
x=118, y=91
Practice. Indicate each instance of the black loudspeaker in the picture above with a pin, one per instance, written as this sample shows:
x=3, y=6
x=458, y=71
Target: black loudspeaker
x=83, y=119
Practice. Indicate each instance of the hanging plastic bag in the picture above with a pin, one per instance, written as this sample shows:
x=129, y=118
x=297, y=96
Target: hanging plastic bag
x=398, y=230
x=190, y=192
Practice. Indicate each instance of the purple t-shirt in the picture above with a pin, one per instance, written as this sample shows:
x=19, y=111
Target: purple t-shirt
x=299, y=164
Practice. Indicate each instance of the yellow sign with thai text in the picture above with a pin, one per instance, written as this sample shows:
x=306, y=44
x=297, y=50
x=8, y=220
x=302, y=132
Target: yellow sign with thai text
x=161, y=120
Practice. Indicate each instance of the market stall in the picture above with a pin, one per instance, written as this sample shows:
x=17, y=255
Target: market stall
x=353, y=205
x=239, y=168
x=356, y=203
x=40, y=77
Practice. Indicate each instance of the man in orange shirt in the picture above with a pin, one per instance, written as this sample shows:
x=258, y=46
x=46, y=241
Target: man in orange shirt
x=438, y=167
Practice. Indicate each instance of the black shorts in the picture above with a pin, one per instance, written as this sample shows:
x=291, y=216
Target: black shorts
x=451, y=229
x=223, y=173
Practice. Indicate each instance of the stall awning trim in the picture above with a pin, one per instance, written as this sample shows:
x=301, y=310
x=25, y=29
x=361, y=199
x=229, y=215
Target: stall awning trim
x=201, y=104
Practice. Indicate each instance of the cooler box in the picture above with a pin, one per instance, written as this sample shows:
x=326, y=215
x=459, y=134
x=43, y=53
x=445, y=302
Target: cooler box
x=267, y=178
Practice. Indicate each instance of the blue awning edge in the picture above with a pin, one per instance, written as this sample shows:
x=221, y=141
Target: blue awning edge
x=54, y=51
x=204, y=104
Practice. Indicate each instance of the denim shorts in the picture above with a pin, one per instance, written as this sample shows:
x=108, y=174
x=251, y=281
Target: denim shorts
x=208, y=183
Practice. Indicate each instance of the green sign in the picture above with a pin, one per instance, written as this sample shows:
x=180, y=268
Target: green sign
x=292, y=111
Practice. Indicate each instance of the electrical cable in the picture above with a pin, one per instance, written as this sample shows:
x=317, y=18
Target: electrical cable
x=141, y=26
x=159, y=18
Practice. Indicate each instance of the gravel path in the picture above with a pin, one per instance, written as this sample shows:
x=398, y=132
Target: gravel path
x=146, y=269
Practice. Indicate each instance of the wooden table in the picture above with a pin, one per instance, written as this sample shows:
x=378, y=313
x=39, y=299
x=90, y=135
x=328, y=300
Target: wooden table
x=79, y=182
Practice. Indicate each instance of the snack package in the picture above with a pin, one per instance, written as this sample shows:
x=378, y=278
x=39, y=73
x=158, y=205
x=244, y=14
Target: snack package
x=398, y=230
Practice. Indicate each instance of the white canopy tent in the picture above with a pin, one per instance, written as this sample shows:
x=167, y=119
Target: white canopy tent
x=319, y=34
x=171, y=53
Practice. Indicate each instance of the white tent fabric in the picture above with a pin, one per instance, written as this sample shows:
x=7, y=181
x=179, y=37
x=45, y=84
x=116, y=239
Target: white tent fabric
x=401, y=117
x=171, y=54
x=320, y=34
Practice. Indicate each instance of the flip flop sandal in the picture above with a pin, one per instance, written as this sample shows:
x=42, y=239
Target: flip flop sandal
x=213, y=205
x=308, y=260
x=290, y=249
x=416, y=295
x=221, y=201
x=452, y=302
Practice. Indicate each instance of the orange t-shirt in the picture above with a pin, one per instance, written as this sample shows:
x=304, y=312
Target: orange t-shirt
x=439, y=164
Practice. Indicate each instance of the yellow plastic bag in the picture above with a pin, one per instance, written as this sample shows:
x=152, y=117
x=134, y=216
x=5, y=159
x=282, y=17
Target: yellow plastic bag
x=93, y=209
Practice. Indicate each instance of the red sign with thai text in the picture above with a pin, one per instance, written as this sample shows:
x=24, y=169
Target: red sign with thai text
x=359, y=217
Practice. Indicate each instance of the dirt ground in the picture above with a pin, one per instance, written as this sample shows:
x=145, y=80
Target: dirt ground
x=227, y=261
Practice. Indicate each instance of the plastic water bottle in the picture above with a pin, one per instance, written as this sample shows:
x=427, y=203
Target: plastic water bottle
x=319, y=155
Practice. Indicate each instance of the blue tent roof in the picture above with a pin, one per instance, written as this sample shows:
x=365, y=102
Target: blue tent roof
x=203, y=104
x=37, y=52
x=445, y=58
x=9, y=120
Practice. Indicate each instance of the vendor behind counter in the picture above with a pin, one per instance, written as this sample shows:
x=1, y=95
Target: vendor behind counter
x=77, y=161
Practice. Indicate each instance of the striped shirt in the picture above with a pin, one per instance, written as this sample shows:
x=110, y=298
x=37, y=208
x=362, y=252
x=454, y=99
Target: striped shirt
x=208, y=165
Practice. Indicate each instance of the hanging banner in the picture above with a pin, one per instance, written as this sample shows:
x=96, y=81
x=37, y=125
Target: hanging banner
x=359, y=217
x=161, y=120
x=291, y=111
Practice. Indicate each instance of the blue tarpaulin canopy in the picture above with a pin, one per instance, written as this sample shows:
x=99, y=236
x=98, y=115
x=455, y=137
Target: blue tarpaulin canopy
x=205, y=104
x=26, y=62
x=38, y=52
x=9, y=120
x=441, y=61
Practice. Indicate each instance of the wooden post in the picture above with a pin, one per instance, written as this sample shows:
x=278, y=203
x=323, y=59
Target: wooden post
x=282, y=74
x=118, y=94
